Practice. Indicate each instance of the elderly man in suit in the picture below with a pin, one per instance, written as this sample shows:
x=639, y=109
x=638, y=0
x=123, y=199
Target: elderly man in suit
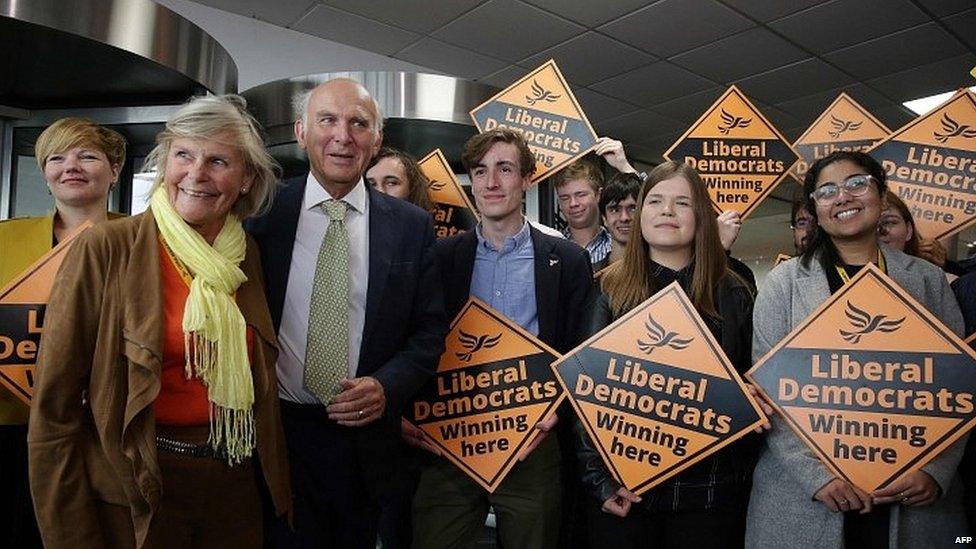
x=355, y=300
x=544, y=284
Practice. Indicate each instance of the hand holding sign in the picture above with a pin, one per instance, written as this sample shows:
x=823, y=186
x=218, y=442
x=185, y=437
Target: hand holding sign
x=620, y=503
x=874, y=384
x=613, y=152
x=656, y=394
x=493, y=398
x=840, y=496
x=544, y=427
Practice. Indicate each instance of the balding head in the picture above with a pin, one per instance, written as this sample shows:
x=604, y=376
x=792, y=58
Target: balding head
x=341, y=130
x=301, y=101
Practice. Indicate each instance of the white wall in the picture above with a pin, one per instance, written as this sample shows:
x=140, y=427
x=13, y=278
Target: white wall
x=265, y=52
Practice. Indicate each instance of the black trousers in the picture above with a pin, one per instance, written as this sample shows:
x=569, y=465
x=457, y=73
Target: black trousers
x=333, y=507
x=18, y=527
x=722, y=528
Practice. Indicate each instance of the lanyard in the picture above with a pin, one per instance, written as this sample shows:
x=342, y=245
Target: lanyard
x=180, y=267
x=846, y=279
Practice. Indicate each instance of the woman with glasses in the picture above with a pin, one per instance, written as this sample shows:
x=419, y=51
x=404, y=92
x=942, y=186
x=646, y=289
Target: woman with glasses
x=796, y=501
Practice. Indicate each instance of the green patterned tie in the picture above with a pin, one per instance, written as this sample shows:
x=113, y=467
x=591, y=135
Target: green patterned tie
x=327, y=352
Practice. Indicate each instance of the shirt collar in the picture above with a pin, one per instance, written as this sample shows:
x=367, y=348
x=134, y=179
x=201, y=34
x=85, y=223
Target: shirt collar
x=315, y=195
x=511, y=242
x=600, y=236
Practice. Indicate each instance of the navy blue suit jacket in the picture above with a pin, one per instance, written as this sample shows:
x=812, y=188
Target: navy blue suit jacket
x=563, y=284
x=405, y=324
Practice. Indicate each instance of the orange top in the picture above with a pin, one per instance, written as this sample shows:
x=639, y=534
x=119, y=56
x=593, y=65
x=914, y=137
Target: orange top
x=181, y=402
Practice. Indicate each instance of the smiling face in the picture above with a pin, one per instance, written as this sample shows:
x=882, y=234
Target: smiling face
x=619, y=218
x=579, y=203
x=389, y=177
x=667, y=217
x=848, y=217
x=496, y=183
x=203, y=180
x=80, y=176
x=341, y=136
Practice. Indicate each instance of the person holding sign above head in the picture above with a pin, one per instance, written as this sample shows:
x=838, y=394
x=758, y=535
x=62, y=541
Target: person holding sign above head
x=796, y=500
x=705, y=505
x=156, y=391
x=81, y=162
x=540, y=282
x=357, y=307
x=395, y=173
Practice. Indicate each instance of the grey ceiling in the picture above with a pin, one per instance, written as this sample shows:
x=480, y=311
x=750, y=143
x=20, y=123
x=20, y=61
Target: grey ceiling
x=644, y=71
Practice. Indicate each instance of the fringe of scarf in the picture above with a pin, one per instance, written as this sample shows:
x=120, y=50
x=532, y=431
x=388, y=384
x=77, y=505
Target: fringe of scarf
x=214, y=331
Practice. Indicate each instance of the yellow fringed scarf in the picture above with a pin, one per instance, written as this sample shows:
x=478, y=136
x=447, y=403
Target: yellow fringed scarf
x=215, y=334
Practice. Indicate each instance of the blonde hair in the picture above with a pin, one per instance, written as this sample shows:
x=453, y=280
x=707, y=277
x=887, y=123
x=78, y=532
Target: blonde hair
x=203, y=118
x=630, y=281
x=71, y=132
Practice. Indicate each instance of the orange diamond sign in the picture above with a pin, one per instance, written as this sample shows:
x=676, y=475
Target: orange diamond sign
x=453, y=212
x=655, y=392
x=493, y=384
x=872, y=382
x=22, y=305
x=931, y=165
x=844, y=126
x=542, y=108
x=739, y=154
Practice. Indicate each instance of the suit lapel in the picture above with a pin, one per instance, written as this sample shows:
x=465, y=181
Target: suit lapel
x=464, y=257
x=279, y=228
x=383, y=240
x=548, y=267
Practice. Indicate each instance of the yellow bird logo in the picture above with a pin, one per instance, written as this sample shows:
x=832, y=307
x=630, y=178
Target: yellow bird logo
x=540, y=94
x=660, y=337
x=865, y=323
x=840, y=126
x=474, y=343
x=730, y=122
x=951, y=129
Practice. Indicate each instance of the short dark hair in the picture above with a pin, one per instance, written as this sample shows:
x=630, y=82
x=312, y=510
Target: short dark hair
x=477, y=147
x=618, y=188
x=820, y=242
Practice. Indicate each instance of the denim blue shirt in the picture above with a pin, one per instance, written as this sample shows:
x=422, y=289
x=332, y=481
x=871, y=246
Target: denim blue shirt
x=505, y=278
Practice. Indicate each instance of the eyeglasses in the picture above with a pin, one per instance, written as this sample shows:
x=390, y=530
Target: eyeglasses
x=855, y=185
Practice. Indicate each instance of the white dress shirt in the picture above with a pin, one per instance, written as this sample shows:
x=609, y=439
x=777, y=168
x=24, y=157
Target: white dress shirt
x=313, y=222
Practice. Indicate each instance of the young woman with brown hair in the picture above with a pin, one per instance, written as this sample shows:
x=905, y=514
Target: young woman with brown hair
x=705, y=505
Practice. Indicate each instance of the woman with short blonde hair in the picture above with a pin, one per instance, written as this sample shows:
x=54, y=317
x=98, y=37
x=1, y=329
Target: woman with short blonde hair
x=156, y=386
x=81, y=162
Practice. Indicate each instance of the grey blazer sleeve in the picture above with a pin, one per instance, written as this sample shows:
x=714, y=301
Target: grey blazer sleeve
x=942, y=303
x=772, y=321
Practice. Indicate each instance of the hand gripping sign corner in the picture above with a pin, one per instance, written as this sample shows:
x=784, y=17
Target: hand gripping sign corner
x=655, y=392
x=872, y=382
x=493, y=384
